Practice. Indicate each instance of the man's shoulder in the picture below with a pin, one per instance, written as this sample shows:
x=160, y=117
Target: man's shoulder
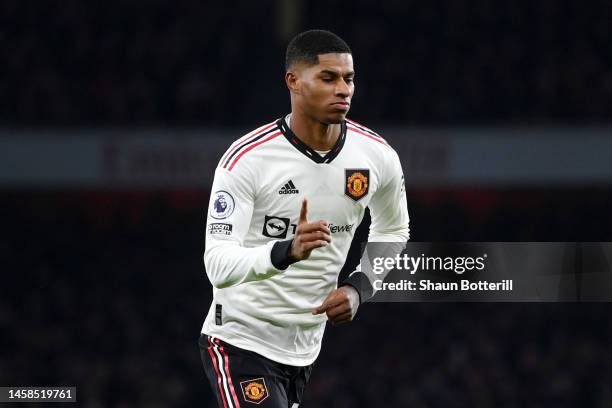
x=371, y=143
x=365, y=134
x=367, y=137
x=241, y=146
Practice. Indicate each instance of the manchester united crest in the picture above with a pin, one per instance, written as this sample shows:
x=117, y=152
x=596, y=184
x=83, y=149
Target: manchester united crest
x=255, y=390
x=357, y=183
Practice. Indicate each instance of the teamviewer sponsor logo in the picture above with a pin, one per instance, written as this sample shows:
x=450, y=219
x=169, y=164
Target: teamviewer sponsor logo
x=288, y=188
x=340, y=228
x=275, y=227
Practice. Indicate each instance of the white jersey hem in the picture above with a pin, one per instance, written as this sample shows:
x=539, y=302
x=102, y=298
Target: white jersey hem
x=249, y=343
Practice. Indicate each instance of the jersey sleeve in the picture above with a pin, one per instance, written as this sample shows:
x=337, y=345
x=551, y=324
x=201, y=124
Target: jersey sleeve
x=390, y=225
x=388, y=206
x=227, y=261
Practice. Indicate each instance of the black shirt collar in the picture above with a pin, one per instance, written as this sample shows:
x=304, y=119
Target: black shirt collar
x=307, y=150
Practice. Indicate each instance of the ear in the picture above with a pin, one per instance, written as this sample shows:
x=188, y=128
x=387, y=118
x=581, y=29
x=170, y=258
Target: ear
x=293, y=82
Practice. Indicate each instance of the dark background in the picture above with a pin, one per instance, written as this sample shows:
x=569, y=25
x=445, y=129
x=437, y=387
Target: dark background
x=105, y=288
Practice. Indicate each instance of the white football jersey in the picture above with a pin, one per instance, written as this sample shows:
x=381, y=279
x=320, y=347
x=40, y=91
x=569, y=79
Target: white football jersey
x=254, y=210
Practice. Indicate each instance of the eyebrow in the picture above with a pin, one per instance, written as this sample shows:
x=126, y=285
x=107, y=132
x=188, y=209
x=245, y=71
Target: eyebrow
x=335, y=73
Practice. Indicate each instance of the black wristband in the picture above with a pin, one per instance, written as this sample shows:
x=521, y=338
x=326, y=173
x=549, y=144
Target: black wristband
x=280, y=255
x=360, y=282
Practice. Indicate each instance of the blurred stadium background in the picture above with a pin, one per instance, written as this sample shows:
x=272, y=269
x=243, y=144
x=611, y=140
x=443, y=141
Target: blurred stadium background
x=113, y=116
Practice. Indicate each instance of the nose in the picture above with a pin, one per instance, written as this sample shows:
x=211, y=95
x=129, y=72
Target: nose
x=343, y=89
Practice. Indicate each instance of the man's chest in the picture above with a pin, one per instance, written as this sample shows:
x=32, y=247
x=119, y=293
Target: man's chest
x=337, y=192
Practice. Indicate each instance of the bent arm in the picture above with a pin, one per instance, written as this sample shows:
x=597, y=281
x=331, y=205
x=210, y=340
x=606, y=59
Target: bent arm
x=227, y=261
x=390, y=224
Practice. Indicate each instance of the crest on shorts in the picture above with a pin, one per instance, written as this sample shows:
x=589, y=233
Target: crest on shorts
x=357, y=183
x=255, y=390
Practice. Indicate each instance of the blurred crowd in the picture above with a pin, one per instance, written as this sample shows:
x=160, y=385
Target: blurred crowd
x=193, y=62
x=107, y=292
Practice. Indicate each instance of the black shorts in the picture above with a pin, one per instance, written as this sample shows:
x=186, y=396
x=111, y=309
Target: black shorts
x=242, y=378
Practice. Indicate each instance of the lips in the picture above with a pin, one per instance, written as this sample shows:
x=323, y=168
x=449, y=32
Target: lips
x=341, y=105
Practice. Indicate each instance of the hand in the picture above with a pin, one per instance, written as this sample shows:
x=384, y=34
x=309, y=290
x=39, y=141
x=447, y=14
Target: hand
x=340, y=305
x=308, y=235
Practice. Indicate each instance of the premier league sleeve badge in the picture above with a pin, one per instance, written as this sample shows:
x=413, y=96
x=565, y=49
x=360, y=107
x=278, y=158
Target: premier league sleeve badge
x=222, y=206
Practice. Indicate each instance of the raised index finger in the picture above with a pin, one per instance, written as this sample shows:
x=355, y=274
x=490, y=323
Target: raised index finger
x=304, y=212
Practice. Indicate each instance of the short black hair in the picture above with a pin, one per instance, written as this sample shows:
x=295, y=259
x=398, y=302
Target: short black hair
x=306, y=47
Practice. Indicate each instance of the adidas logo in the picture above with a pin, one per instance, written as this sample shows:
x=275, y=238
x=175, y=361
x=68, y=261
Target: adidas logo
x=288, y=188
